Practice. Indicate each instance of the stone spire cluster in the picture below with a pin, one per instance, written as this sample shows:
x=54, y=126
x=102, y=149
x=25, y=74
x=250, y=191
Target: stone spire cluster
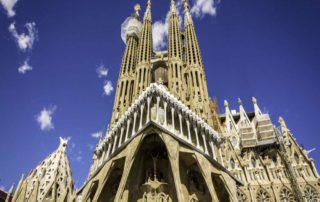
x=51, y=180
x=180, y=68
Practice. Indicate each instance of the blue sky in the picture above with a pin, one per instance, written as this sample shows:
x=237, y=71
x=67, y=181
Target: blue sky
x=51, y=52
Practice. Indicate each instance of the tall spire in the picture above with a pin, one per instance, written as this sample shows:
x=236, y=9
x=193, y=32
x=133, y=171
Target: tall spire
x=194, y=76
x=51, y=179
x=124, y=92
x=145, y=49
x=175, y=60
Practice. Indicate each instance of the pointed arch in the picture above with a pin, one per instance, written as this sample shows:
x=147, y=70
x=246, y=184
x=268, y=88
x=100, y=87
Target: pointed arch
x=263, y=196
x=286, y=195
x=151, y=170
x=310, y=194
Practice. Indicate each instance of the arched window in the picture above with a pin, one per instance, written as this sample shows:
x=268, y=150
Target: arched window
x=263, y=196
x=286, y=195
x=311, y=194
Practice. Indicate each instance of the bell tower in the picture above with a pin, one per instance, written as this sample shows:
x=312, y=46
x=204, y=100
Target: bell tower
x=124, y=92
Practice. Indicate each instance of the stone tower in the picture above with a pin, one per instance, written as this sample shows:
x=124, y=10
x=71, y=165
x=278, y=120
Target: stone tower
x=161, y=145
x=50, y=181
x=168, y=142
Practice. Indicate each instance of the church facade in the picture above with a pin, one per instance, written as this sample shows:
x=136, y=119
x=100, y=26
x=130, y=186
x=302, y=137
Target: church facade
x=167, y=140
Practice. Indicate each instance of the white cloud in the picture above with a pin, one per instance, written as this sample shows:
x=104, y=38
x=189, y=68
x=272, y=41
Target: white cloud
x=24, y=68
x=108, y=88
x=8, y=5
x=24, y=40
x=97, y=135
x=159, y=34
x=203, y=7
x=44, y=118
x=102, y=71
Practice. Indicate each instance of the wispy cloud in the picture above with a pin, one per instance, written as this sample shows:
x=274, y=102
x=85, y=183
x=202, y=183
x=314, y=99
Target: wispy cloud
x=8, y=5
x=79, y=156
x=203, y=7
x=25, y=41
x=97, y=135
x=160, y=33
x=2, y=188
x=108, y=88
x=25, y=67
x=44, y=118
x=102, y=71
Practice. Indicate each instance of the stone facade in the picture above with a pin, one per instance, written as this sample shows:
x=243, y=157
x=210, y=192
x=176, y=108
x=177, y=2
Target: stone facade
x=168, y=142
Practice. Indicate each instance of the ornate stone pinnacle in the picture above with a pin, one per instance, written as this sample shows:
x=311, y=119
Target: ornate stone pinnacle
x=137, y=8
x=226, y=104
x=149, y=4
x=239, y=101
x=281, y=120
x=254, y=100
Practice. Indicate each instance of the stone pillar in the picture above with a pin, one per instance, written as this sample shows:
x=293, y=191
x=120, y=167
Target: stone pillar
x=196, y=133
x=148, y=111
x=134, y=123
x=115, y=143
x=165, y=113
x=128, y=128
x=180, y=122
x=189, y=134
x=158, y=102
x=109, y=148
x=121, y=134
x=205, y=143
x=141, y=115
x=172, y=116
x=212, y=148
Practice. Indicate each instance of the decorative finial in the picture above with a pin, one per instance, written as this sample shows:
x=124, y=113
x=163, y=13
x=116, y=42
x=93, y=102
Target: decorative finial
x=137, y=8
x=149, y=4
x=254, y=100
x=226, y=104
x=281, y=120
x=63, y=141
x=239, y=101
x=186, y=5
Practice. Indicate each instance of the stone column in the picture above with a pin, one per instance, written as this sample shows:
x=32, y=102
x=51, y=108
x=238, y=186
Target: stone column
x=141, y=115
x=212, y=148
x=196, y=133
x=128, y=127
x=189, y=134
x=157, y=113
x=134, y=123
x=109, y=148
x=121, y=134
x=115, y=143
x=172, y=116
x=205, y=143
x=180, y=122
x=165, y=113
x=148, y=111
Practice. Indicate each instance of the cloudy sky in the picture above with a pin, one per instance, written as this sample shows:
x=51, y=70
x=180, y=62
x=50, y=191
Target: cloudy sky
x=60, y=61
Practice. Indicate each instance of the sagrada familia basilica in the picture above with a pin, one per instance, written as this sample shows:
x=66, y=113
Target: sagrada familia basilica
x=168, y=141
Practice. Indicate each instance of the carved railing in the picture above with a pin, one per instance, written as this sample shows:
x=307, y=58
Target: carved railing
x=157, y=106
